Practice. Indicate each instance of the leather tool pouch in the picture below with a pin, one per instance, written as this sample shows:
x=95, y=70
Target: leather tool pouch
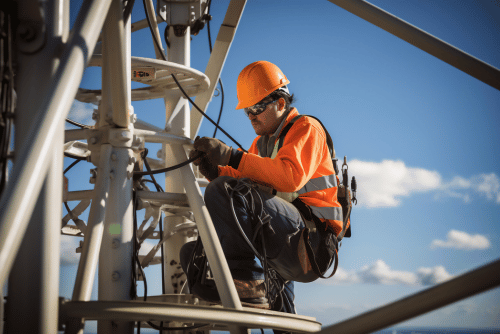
x=316, y=260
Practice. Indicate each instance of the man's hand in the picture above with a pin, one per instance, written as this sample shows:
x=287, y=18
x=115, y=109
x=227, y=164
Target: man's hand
x=208, y=170
x=217, y=153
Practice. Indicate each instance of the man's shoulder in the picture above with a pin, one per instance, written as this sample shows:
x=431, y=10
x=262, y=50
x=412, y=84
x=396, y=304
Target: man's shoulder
x=309, y=121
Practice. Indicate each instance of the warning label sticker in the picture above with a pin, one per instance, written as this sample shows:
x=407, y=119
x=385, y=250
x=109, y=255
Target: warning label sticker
x=143, y=73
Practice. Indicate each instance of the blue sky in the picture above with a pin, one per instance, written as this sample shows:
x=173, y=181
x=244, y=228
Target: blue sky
x=420, y=136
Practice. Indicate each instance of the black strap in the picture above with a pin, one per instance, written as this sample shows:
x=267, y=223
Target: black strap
x=285, y=130
x=329, y=141
x=312, y=257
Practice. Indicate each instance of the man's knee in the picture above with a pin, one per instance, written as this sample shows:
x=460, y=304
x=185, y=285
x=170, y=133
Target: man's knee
x=216, y=191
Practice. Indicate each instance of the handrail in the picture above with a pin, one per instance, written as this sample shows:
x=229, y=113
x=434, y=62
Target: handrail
x=146, y=311
x=423, y=40
x=18, y=200
x=463, y=286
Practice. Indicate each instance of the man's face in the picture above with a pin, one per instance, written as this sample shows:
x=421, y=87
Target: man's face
x=268, y=121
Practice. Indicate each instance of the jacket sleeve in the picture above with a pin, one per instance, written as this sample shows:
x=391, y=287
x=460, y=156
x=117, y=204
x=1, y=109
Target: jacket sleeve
x=230, y=171
x=296, y=162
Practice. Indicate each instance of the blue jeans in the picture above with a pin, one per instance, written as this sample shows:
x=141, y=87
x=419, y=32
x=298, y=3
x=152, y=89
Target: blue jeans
x=281, y=246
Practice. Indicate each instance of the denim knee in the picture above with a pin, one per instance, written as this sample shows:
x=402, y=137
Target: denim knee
x=215, y=192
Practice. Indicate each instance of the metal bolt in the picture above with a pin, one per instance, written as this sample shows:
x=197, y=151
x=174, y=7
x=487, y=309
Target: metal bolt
x=112, y=175
x=26, y=32
x=133, y=118
x=115, y=276
x=93, y=175
x=123, y=136
x=115, y=243
x=93, y=140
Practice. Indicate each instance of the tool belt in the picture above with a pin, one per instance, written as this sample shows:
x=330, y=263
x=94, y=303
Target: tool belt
x=317, y=260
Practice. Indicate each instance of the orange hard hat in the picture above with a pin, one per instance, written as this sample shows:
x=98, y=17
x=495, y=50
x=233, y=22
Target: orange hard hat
x=258, y=80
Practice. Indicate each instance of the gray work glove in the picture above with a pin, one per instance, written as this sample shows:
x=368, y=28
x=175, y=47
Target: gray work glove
x=217, y=153
x=208, y=170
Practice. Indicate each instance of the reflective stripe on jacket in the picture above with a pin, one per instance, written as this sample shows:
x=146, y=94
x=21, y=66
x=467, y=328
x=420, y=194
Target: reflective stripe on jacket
x=302, y=167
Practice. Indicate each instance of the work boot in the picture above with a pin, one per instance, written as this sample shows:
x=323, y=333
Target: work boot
x=251, y=293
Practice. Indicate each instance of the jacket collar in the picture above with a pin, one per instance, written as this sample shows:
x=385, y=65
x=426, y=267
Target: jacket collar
x=265, y=144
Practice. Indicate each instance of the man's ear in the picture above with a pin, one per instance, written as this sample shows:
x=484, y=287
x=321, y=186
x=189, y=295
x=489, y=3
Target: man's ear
x=281, y=103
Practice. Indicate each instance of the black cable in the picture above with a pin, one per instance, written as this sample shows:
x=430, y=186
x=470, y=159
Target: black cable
x=150, y=181
x=72, y=165
x=80, y=125
x=135, y=250
x=158, y=46
x=144, y=155
x=209, y=5
x=162, y=259
x=221, y=105
x=271, y=277
x=159, y=189
x=168, y=169
x=175, y=328
x=231, y=192
x=206, y=116
x=136, y=256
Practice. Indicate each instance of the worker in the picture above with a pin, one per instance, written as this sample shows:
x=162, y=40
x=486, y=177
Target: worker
x=293, y=176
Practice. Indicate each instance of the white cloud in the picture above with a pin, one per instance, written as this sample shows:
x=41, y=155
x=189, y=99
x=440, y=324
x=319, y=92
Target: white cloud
x=431, y=276
x=462, y=240
x=380, y=273
x=489, y=185
x=69, y=244
x=342, y=276
x=383, y=184
x=81, y=113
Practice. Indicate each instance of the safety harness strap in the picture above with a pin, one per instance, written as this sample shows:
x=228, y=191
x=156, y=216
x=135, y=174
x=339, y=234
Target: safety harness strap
x=345, y=230
x=287, y=128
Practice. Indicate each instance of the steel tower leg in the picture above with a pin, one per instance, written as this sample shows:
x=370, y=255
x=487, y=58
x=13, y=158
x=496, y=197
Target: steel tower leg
x=34, y=278
x=93, y=238
x=115, y=258
x=178, y=52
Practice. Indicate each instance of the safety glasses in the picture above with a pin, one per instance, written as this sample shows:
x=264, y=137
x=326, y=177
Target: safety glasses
x=258, y=108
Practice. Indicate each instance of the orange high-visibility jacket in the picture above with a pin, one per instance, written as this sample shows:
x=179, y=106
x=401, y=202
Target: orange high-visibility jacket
x=302, y=166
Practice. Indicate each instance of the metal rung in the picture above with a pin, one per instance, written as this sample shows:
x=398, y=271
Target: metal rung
x=177, y=199
x=159, y=311
x=192, y=81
